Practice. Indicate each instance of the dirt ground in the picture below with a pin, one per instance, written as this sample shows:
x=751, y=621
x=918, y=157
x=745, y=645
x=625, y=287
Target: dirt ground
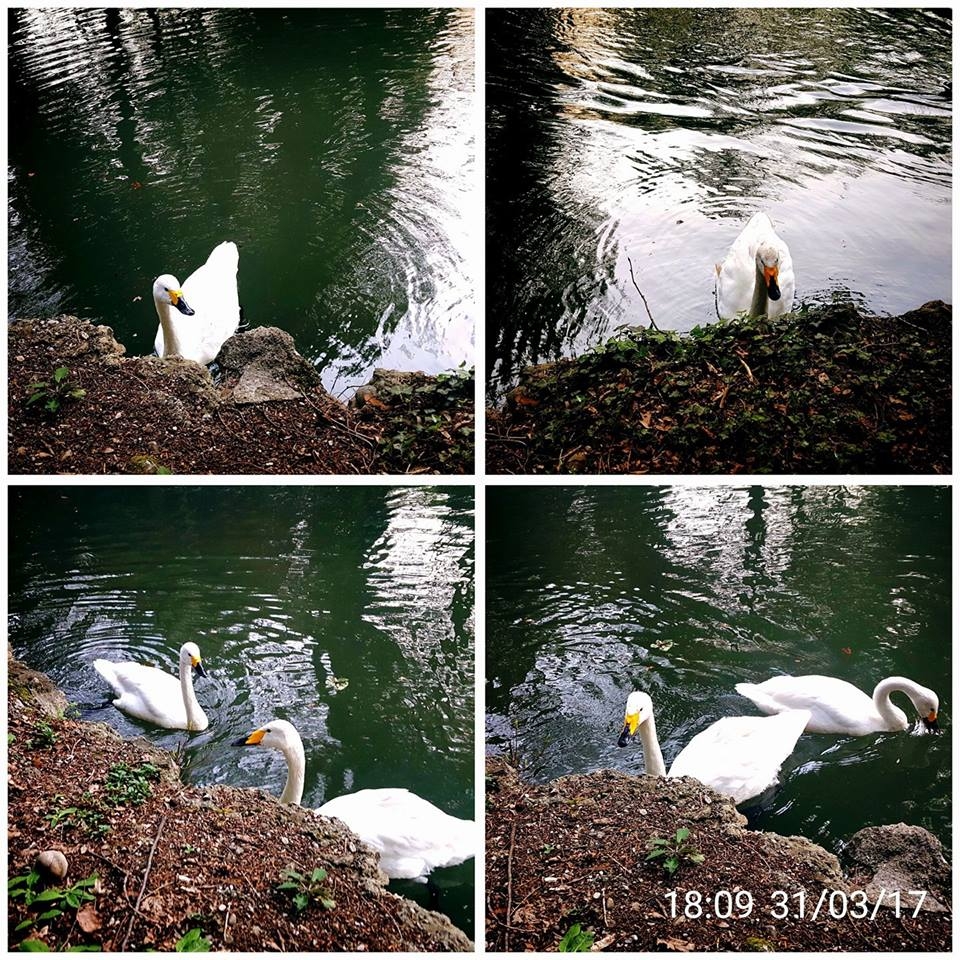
x=574, y=852
x=185, y=858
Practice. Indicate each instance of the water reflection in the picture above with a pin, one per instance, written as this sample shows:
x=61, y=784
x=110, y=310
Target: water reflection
x=626, y=148
x=335, y=147
x=684, y=592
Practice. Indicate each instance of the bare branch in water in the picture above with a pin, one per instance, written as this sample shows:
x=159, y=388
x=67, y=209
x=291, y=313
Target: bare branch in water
x=642, y=297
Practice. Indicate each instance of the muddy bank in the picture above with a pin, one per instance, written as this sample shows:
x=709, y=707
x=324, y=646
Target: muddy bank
x=574, y=851
x=269, y=413
x=829, y=390
x=160, y=859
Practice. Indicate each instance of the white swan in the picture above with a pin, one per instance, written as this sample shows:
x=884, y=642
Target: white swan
x=208, y=298
x=154, y=695
x=737, y=756
x=756, y=276
x=839, y=707
x=412, y=836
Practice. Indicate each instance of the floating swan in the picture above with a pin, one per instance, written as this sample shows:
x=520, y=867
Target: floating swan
x=154, y=695
x=737, y=756
x=839, y=707
x=412, y=836
x=756, y=276
x=209, y=297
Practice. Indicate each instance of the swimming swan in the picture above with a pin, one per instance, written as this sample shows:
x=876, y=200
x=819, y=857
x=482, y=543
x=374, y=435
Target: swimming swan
x=737, y=756
x=154, y=695
x=412, y=836
x=209, y=298
x=839, y=707
x=756, y=276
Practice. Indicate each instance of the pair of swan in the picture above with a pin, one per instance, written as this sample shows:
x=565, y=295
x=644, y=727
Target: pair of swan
x=756, y=276
x=740, y=757
x=207, y=308
x=412, y=836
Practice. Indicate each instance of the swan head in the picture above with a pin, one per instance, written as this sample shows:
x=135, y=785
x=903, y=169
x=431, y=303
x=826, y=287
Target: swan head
x=190, y=653
x=768, y=266
x=639, y=709
x=928, y=705
x=166, y=290
x=276, y=735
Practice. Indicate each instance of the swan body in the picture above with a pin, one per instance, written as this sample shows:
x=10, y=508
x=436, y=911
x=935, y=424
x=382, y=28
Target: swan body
x=756, y=276
x=412, y=836
x=836, y=706
x=737, y=756
x=154, y=695
x=197, y=318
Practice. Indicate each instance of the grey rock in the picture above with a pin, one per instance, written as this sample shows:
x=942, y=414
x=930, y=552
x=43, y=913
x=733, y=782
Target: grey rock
x=263, y=364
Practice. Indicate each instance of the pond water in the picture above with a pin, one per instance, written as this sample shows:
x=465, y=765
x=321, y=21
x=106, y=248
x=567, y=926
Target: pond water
x=684, y=592
x=335, y=147
x=647, y=138
x=286, y=591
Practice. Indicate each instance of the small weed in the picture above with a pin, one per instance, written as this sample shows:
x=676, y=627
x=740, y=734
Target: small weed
x=576, y=940
x=674, y=851
x=88, y=819
x=193, y=941
x=43, y=737
x=53, y=393
x=302, y=890
x=129, y=785
x=54, y=901
x=548, y=848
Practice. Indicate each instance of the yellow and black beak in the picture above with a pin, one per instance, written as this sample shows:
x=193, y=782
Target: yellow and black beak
x=770, y=277
x=177, y=299
x=197, y=665
x=251, y=740
x=930, y=722
x=630, y=723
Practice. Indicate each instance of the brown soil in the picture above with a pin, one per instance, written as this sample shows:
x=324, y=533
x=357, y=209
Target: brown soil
x=186, y=858
x=574, y=852
x=147, y=415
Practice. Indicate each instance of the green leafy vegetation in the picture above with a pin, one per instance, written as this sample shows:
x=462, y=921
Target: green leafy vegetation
x=43, y=737
x=55, y=391
x=86, y=818
x=304, y=890
x=193, y=941
x=576, y=940
x=52, y=902
x=126, y=785
x=673, y=851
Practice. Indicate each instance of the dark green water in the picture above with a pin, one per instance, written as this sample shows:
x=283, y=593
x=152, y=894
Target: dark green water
x=684, y=592
x=334, y=146
x=619, y=137
x=283, y=589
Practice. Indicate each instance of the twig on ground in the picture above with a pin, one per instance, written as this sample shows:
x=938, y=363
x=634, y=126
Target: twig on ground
x=143, y=885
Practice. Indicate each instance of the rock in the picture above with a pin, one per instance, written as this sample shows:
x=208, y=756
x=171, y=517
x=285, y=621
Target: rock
x=811, y=856
x=389, y=383
x=902, y=858
x=67, y=337
x=263, y=364
x=52, y=865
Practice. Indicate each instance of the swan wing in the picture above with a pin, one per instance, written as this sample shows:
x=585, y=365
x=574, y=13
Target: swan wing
x=412, y=836
x=741, y=756
x=145, y=692
x=835, y=706
x=212, y=292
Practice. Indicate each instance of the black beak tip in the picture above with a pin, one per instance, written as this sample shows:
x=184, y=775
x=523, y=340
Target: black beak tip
x=773, y=291
x=931, y=725
x=239, y=742
x=186, y=310
x=624, y=739
x=200, y=671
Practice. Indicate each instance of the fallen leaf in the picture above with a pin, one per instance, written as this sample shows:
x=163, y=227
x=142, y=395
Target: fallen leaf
x=675, y=943
x=846, y=650
x=88, y=919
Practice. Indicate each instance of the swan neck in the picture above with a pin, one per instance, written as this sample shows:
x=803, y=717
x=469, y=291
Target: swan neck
x=190, y=702
x=171, y=341
x=293, y=788
x=758, y=306
x=652, y=755
x=892, y=714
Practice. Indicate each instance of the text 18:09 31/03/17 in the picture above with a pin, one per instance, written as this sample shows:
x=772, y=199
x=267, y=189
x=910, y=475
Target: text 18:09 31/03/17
x=780, y=905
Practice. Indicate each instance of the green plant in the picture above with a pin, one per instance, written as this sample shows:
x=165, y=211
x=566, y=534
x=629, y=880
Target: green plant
x=673, y=850
x=44, y=736
x=576, y=940
x=54, y=900
x=192, y=941
x=303, y=890
x=54, y=392
x=88, y=819
x=129, y=785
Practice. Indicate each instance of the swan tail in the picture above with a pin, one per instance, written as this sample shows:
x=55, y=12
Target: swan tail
x=756, y=693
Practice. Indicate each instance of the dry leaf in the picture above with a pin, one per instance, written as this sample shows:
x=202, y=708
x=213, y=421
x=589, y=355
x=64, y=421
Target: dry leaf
x=88, y=919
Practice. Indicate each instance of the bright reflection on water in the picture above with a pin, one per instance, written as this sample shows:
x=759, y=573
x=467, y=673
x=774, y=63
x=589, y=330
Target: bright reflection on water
x=335, y=147
x=684, y=592
x=288, y=592
x=619, y=136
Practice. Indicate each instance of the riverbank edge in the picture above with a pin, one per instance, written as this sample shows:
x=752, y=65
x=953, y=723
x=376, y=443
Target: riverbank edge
x=826, y=390
x=574, y=851
x=267, y=412
x=240, y=840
